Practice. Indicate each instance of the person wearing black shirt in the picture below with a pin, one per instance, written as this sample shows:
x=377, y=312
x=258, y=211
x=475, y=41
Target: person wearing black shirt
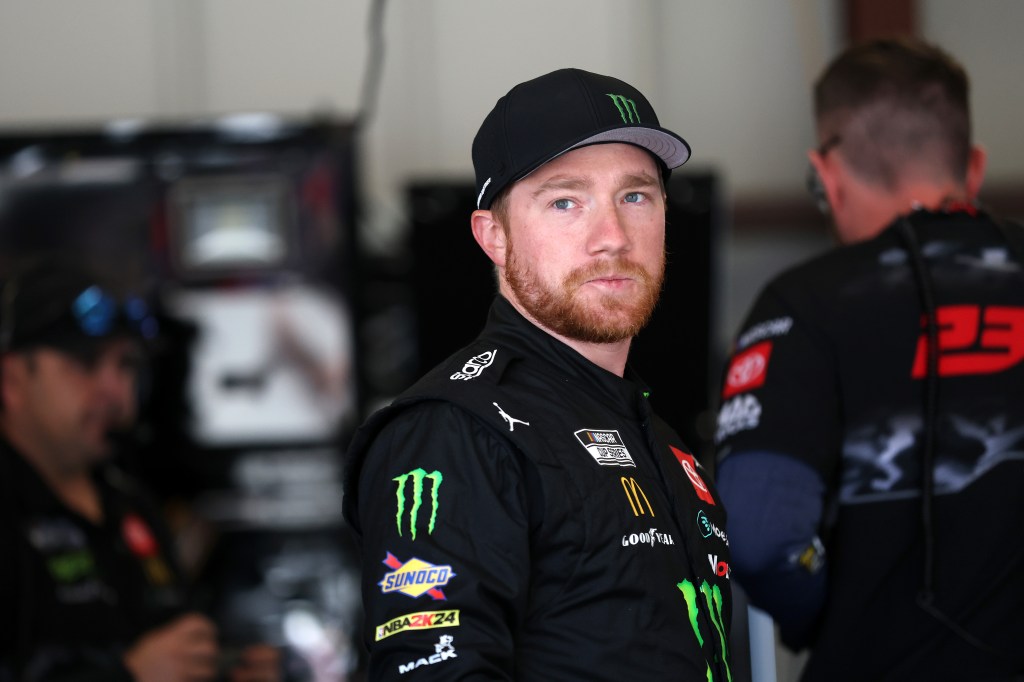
x=871, y=433
x=522, y=513
x=89, y=585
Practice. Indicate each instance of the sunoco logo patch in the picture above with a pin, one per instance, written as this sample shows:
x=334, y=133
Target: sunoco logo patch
x=606, y=447
x=415, y=578
x=423, y=620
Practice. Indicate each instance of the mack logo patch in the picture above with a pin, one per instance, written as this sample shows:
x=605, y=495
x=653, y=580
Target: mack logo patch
x=443, y=651
x=415, y=578
x=475, y=366
x=689, y=465
x=422, y=620
x=747, y=370
x=606, y=447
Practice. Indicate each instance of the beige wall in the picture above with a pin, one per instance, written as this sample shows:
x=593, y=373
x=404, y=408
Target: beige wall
x=732, y=77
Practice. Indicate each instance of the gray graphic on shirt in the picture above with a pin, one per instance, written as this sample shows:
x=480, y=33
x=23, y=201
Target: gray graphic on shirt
x=882, y=461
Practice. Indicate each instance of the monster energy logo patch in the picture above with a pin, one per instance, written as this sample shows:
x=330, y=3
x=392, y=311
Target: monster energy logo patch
x=417, y=476
x=626, y=107
x=713, y=599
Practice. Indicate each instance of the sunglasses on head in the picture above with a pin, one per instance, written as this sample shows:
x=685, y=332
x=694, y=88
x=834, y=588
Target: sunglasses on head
x=95, y=312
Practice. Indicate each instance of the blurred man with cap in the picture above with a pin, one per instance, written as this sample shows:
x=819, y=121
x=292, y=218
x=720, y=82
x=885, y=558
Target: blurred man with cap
x=89, y=588
x=522, y=512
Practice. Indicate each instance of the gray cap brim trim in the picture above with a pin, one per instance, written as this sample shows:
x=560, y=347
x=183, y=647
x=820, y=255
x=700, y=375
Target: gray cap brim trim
x=667, y=147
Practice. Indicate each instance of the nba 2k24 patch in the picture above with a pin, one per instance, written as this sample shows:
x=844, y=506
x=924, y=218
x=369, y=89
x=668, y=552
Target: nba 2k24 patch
x=423, y=620
x=606, y=447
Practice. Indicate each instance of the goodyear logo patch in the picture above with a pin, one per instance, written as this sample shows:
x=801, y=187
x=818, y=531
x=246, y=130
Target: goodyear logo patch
x=415, y=578
x=423, y=620
x=606, y=447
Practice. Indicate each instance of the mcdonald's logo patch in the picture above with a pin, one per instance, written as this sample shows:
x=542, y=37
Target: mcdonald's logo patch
x=638, y=501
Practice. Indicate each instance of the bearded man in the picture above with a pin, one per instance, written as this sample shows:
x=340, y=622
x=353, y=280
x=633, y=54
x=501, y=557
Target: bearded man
x=521, y=511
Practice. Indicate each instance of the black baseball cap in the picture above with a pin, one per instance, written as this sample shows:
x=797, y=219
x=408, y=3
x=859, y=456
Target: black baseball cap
x=60, y=303
x=566, y=109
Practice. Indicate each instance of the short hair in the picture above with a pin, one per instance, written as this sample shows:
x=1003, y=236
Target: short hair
x=896, y=106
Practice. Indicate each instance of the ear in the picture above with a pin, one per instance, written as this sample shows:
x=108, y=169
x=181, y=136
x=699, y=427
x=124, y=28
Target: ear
x=976, y=170
x=13, y=372
x=828, y=176
x=490, y=235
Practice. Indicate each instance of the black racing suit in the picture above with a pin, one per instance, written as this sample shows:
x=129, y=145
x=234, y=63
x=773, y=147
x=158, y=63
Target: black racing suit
x=522, y=514
x=825, y=413
x=75, y=595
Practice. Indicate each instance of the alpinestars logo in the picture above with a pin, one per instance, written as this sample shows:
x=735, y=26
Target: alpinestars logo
x=475, y=366
x=443, y=651
x=415, y=578
x=417, y=476
x=606, y=447
x=626, y=107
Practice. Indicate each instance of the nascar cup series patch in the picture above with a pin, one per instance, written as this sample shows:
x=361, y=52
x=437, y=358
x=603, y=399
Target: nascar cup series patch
x=606, y=447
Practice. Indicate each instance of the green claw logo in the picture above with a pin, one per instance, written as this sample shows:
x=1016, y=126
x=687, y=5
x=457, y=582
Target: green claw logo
x=417, y=476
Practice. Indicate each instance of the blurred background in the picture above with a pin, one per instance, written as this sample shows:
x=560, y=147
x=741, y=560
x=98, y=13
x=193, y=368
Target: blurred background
x=291, y=182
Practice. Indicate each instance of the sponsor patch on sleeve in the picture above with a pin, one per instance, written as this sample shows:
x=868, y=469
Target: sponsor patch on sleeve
x=421, y=620
x=747, y=370
x=606, y=447
x=415, y=578
x=689, y=465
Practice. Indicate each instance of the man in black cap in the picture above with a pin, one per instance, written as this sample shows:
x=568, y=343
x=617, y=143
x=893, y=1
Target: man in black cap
x=521, y=511
x=89, y=589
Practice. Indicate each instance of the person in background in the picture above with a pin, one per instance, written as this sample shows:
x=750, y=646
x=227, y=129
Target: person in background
x=522, y=513
x=89, y=585
x=871, y=433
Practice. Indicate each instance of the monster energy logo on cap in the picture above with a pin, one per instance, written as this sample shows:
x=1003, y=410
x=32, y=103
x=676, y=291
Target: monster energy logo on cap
x=417, y=476
x=626, y=107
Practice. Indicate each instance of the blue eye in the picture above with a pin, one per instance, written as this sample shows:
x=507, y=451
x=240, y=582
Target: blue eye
x=563, y=204
x=634, y=197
